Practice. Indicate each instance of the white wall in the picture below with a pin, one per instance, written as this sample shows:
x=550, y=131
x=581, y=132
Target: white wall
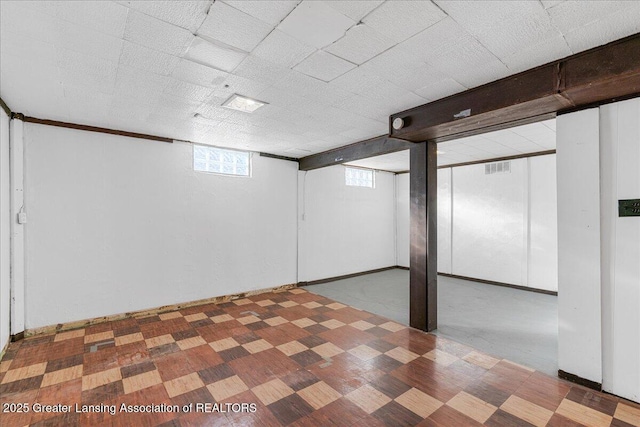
x=579, y=337
x=344, y=229
x=499, y=227
x=119, y=224
x=4, y=230
x=403, y=220
x=620, y=250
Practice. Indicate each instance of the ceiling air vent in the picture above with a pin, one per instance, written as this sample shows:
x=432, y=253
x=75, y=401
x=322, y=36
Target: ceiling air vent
x=497, y=167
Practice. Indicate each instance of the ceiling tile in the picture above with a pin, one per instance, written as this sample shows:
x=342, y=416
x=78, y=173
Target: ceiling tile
x=316, y=24
x=241, y=85
x=260, y=70
x=137, y=56
x=103, y=16
x=25, y=21
x=360, y=44
x=358, y=80
x=544, y=52
x=476, y=73
x=155, y=34
x=84, y=40
x=282, y=49
x=399, y=20
x=609, y=28
x=136, y=83
x=440, y=89
x=185, y=14
x=355, y=10
x=186, y=90
x=192, y=72
x=571, y=15
x=214, y=55
x=271, y=12
x=86, y=70
x=324, y=66
x=233, y=27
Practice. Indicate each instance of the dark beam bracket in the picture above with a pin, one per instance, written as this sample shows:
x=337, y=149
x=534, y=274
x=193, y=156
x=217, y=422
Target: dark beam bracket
x=360, y=150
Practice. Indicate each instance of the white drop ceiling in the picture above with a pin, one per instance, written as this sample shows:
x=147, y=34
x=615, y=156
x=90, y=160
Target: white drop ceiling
x=527, y=139
x=332, y=72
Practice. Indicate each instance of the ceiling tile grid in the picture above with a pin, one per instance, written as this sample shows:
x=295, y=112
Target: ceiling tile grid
x=330, y=72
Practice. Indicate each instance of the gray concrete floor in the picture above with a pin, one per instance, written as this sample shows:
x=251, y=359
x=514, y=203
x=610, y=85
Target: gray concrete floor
x=508, y=323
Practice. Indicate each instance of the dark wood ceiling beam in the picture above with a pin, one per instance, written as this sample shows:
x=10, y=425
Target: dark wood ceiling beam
x=360, y=150
x=598, y=75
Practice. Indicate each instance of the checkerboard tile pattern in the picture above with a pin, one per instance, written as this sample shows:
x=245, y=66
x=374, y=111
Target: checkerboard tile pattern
x=302, y=359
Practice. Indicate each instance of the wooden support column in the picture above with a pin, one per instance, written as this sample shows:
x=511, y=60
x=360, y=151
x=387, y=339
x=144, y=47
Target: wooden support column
x=423, y=286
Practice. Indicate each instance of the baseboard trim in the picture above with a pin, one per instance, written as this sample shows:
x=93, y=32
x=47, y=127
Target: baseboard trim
x=149, y=312
x=505, y=285
x=579, y=380
x=346, y=276
x=399, y=267
x=17, y=337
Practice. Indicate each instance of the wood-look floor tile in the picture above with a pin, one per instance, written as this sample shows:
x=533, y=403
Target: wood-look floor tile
x=216, y=373
x=183, y=384
x=228, y=387
x=304, y=322
x=361, y=325
x=292, y=347
x=224, y=344
x=191, y=342
x=628, y=414
x=100, y=336
x=335, y=306
x=68, y=335
x=297, y=291
x=4, y=366
x=62, y=375
x=593, y=400
x=480, y=359
x=222, y=318
x=100, y=378
x=246, y=320
x=332, y=324
x=441, y=357
x=24, y=372
x=327, y=350
x=402, y=355
x=394, y=414
x=472, y=407
x=392, y=326
x=501, y=418
x=419, y=402
x=368, y=398
x=128, y=339
x=543, y=391
x=290, y=409
x=141, y=381
x=257, y=346
x=487, y=392
x=195, y=316
x=287, y=304
x=583, y=414
x=272, y=391
x=275, y=321
x=159, y=340
x=300, y=379
x=530, y=412
x=265, y=303
x=364, y=352
x=242, y=301
x=312, y=304
x=170, y=315
x=319, y=395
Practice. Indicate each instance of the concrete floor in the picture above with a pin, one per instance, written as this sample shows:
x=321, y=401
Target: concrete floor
x=509, y=323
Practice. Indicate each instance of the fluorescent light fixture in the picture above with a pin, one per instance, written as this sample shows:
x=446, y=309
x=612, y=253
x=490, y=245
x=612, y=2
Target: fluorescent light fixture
x=242, y=103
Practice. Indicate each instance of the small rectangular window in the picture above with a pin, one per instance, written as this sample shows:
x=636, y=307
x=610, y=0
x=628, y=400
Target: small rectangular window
x=359, y=177
x=220, y=160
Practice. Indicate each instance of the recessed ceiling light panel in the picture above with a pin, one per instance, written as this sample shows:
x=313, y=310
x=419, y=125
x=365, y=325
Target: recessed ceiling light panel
x=242, y=103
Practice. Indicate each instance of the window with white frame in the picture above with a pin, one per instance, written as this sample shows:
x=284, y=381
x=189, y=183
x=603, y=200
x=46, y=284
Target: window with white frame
x=220, y=160
x=359, y=177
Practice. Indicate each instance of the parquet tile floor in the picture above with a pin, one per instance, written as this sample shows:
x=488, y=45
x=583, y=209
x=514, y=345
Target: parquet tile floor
x=275, y=359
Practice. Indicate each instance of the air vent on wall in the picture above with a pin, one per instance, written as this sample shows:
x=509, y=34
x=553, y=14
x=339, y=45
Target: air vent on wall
x=497, y=167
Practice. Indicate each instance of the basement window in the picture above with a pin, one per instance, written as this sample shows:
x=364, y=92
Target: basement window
x=357, y=177
x=221, y=160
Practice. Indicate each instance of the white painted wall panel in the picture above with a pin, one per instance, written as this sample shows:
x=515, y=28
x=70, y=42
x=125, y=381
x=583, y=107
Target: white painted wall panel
x=119, y=224
x=579, y=300
x=489, y=224
x=543, y=223
x=5, y=230
x=344, y=229
x=444, y=220
x=620, y=179
x=402, y=220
